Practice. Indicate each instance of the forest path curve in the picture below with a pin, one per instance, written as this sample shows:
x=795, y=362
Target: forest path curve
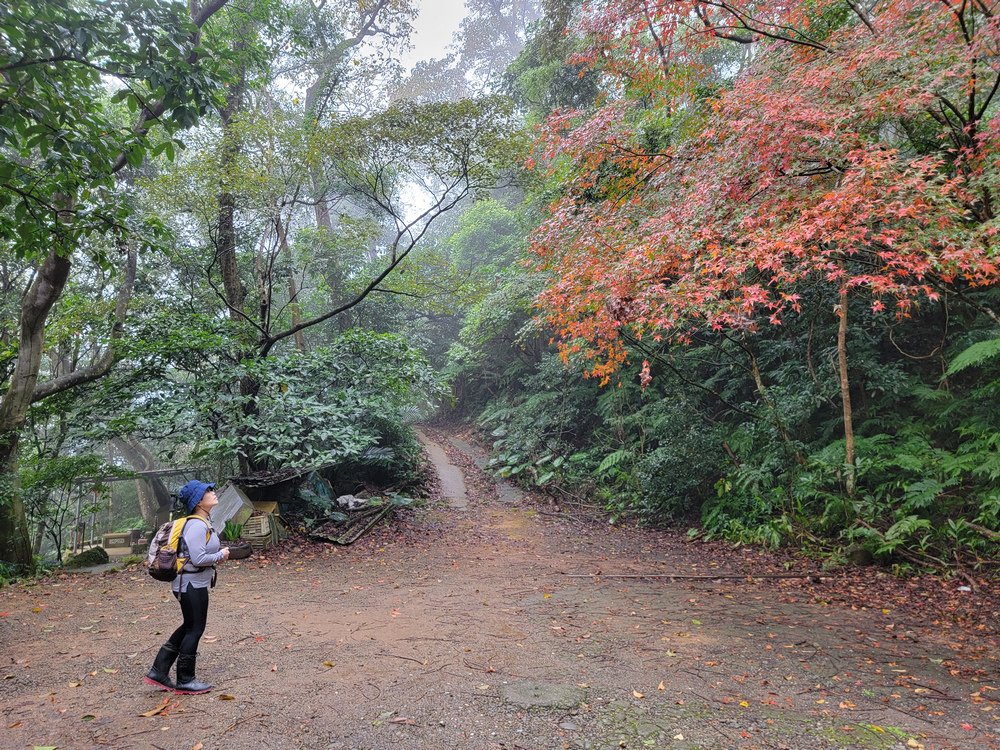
x=461, y=630
x=452, y=481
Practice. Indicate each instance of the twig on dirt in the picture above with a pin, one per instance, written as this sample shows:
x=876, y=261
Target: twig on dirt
x=561, y=514
x=377, y=688
x=941, y=695
x=437, y=669
x=477, y=667
x=696, y=673
x=239, y=677
x=702, y=697
x=488, y=670
x=685, y=577
x=590, y=506
x=725, y=737
x=424, y=638
x=247, y=638
x=911, y=715
x=407, y=658
x=240, y=721
x=123, y=736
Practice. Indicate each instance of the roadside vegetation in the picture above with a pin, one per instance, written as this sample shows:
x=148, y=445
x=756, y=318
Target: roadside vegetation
x=729, y=271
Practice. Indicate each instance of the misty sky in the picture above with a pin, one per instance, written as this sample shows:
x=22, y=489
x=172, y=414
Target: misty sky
x=433, y=29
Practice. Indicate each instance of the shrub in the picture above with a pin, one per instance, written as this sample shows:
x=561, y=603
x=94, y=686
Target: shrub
x=92, y=556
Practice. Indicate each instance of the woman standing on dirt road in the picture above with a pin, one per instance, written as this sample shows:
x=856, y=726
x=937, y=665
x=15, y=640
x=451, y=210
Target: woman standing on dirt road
x=191, y=590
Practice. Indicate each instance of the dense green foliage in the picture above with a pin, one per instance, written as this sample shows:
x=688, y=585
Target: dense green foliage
x=318, y=266
x=738, y=433
x=63, y=132
x=189, y=297
x=311, y=409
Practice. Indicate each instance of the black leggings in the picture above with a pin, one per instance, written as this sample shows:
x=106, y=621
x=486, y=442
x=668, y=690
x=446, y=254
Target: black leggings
x=194, y=606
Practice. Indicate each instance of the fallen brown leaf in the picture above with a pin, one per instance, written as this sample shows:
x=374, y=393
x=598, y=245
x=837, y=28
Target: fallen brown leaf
x=158, y=710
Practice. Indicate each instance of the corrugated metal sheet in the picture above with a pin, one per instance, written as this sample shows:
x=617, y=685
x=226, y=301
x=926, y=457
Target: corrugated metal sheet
x=233, y=504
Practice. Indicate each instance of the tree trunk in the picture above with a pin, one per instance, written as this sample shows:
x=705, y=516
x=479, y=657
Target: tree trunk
x=153, y=494
x=293, y=292
x=15, y=544
x=15, y=539
x=334, y=276
x=36, y=546
x=225, y=251
x=845, y=393
x=316, y=96
x=249, y=390
x=765, y=396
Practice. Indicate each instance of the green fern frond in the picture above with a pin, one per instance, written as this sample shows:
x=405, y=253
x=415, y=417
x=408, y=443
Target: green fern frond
x=612, y=460
x=974, y=355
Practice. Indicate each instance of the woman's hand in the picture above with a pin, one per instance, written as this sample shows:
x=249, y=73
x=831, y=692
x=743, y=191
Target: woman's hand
x=225, y=554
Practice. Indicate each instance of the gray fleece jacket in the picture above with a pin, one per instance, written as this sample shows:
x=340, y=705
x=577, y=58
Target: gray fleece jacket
x=203, y=554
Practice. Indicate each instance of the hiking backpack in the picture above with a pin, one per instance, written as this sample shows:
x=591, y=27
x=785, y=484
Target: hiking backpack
x=168, y=551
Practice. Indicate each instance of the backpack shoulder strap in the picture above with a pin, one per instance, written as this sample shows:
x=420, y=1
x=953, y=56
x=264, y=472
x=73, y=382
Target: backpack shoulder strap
x=208, y=526
x=177, y=536
x=177, y=531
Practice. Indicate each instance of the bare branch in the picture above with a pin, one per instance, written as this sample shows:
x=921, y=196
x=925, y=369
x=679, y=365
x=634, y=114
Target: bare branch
x=863, y=14
x=778, y=32
x=439, y=208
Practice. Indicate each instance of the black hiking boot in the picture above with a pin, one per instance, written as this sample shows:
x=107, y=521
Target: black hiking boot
x=159, y=673
x=187, y=683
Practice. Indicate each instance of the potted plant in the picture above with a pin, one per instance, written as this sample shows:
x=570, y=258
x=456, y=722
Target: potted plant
x=230, y=536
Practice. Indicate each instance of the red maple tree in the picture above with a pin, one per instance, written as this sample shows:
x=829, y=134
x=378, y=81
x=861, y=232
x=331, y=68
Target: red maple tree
x=744, y=148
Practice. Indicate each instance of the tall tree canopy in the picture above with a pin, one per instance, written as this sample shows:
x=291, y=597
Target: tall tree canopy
x=852, y=142
x=849, y=142
x=63, y=140
x=298, y=195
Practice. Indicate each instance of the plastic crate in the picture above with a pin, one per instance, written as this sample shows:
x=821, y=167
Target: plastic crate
x=257, y=530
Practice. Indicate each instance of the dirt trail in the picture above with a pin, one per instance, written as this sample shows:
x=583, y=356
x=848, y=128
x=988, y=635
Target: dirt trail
x=459, y=629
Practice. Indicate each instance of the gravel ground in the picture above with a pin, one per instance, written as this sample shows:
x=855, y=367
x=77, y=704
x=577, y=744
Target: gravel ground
x=461, y=629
